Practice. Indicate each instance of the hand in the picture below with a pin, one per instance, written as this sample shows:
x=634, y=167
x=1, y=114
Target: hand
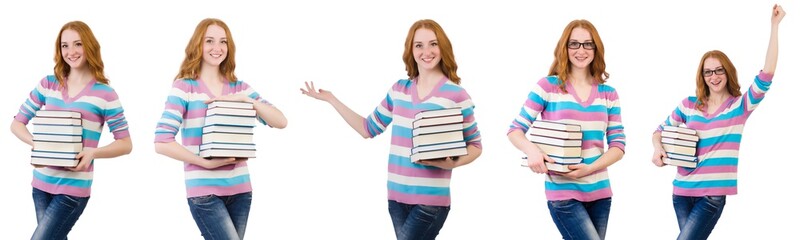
x=85, y=158
x=219, y=162
x=578, y=171
x=37, y=165
x=777, y=14
x=443, y=163
x=233, y=98
x=536, y=162
x=659, y=153
x=310, y=91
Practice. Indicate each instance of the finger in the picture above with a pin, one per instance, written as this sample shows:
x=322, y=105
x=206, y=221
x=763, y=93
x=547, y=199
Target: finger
x=312, y=86
x=308, y=87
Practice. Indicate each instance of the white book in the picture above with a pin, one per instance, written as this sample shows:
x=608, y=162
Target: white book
x=682, y=157
x=678, y=142
x=437, y=121
x=230, y=104
x=54, y=162
x=438, y=113
x=56, y=138
x=209, y=153
x=558, y=151
x=56, y=121
x=679, y=163
x=556, y=126
x=231, y=111
x=560, y=160
x=453, y=152
x=683, y=150
x=58, y=114
x=550, y=166
x=224, y=145
x=681, y=136
x=442, y=146
x=436, y=138
x=59, y=155
x=57, y=129
x=438, y=128
x=556, y=141
x=534, y=131
x=677, y=129
x=227, y=129
x=57, y=146
x=230, y=120
x=227, y=137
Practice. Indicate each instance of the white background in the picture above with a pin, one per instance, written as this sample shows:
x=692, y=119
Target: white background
x=317, y=179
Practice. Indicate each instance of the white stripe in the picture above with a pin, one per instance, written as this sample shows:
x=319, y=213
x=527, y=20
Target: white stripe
x=419, y=181
x=590, y=179
x=720, y=154
x=206, y=174
x=65, y=173
x=721, y=131
x=706, y=177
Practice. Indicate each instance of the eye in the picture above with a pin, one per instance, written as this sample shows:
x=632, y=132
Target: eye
x=209, y=41
x=434, y=44
x=589, y=44
x=573, y=45
x=707, y=73
x=224, y=41
x=78, y=44
x=418, y=45
x=64, y=46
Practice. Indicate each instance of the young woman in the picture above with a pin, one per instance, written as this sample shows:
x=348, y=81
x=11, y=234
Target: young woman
x=218, y=189
x=79, y=84
x=718, y=114
x=419, y=193
x=576, y=93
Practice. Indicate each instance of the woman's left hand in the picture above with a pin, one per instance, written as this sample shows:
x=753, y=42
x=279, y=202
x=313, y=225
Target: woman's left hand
x=445, y=163
x=85, y=158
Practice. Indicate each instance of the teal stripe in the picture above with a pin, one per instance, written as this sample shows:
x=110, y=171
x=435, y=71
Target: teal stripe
x=176, y=100
x=706, y=142
x=577, y=186
x=534, y=97
x=92, y=135
x=62, y=181
x=450, y=88
x=560, y=106
x=595, y=135
x=101, y=87
x=419, y=190
x=705, y=184
x=218, y=182
x=612, y=128
x=605, y=88
x=406, y=162
x=590, y=160
x=736, y=112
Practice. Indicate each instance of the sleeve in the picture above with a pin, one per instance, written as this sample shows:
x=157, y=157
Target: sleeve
x=756, y=92
x=251, y=93
x=35, y=101
x=471, y=133
x=114, y=116
x=534, y=105
x=678, y=115
x=174, y=111
x=382, y=116
x=615, y=133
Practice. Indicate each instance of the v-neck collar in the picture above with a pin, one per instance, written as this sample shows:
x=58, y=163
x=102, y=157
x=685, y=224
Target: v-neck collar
x=415, y=94
x=724, y=105
x=204, y=88
x=589, y=100
x=83, y=92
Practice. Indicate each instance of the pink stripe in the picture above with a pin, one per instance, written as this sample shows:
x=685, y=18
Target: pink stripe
x=195, y=113
x=90, y=143
x=401, y=111
x=765, y=76
x=191, y=141
x=554, y=195
x=567, y=114
x=705, y=170
x=419, y=199
x=121, y=134
x=720, y=124
x=164, y=138
x=402, y=142
x=61, y=189
x=699, y=192
x=416, y=172
x=176, y=107
x=191, y=167
x=534, y=105
x=218, y=191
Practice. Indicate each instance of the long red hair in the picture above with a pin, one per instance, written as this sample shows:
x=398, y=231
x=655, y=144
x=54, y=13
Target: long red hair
x=191, y=65
x=732, y=84
x=91, y=51
x=561, y=64
x=448, y=63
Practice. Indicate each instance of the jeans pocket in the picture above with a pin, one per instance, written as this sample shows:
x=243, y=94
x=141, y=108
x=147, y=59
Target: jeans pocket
x=428, y=213
x=202, y=200
x=716, y=200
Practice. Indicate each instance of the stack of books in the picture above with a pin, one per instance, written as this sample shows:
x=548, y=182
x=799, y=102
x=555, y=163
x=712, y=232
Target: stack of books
x=680, y=143
x=228, y=130
x=560, y=141
x=438, y=134
x=57, y=138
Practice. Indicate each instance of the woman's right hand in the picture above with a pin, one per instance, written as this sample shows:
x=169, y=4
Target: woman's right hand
x=320, y=94
x=658, y=154
x=536, y=161
x=219, y=162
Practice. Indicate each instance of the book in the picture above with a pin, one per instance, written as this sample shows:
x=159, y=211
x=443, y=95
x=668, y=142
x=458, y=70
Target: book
x=559, y=151
x=56, y=121
x=550, y=166
x=683, y=150
x=453, y=152
x=679, y=163
x=682, y=136
x=230, y=120
x=437, y=121
x=438, y=113
x=436, y=138
x=227, y=129
x=231, y=111
x=230, y=104
x=555, y=133
x=58, y=114
x=556, y=126
x=682, y=157
x=227, y=137
x=442, y=146
x=678, y=142
x=49, y=154
x=677, y=129
x=231, y=146
x=556, y=141
x=437, y=128
x=57, y=146
x=56, y=137
x=57, y=129
x=56, y=162
x=209, y=153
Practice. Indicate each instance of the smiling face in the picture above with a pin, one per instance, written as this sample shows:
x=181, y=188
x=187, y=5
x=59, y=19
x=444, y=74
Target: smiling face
x=426, y=50
x=72, y=49
x=580, y=58
x=716, y=83
x=215, y=46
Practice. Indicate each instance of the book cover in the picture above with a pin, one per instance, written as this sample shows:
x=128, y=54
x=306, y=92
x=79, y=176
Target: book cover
x=230, y=104
x=56, y=137
x=230, y=120
x=679, y=163
x=683, y=150
x=210, y=153
x=227, y=137
x=438, y=113
x=441, y=146
x=56, y=121
x=58, y=114
x=559, y=151
x=552, y=125
x=438, y=128
x=225, y=145
x=534, y=131
x=231, y=111
x=227, y=129
x=56, y=162
x=678, y=142
x=57, y=146
x=550, y=166
x=437, y=121
x=556, y=141
x=678, y=129
x=57, y=129
x=681, y=136
x=454, y=152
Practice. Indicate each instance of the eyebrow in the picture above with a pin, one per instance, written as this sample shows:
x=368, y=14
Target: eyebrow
x=434, y=40
x=73, y=41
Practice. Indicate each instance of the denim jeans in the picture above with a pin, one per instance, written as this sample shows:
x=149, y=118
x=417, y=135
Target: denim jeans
x=697, y=216
x=56, y=214
x=417, y=222
x=580, y=220
x=221, y=217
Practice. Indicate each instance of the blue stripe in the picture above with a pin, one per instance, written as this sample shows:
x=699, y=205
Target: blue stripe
x=62, y=181
x=710, y=141
x=176, y=100
x=590, y=160
x=218, y=182
x=577, y=186
x=705, y=184
x=450, y=88
x=419, y=190
x=614, y=111
x=559, y=106
x=595, y=135
x=534, y=97
x=403, y=161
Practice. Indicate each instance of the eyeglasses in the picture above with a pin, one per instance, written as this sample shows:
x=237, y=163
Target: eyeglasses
x=576, y=45
x=718, y=71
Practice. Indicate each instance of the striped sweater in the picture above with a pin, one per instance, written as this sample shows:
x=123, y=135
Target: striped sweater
x=408, y=182
x=720, y=135
x=599, y=117
x=98, y=104
x=185, y=110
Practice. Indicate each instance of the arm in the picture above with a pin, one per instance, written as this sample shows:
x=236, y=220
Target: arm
x=352, y=118
x=535, y=157
x=20, y=131
x=658, y=150
x=178, y=152
x=114, y=149
x=611, y=156
x=271, y=115
x=772, y=50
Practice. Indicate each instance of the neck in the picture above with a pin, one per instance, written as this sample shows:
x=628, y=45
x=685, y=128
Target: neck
x=429, y=76
x=717, y=98
x=580, y=75
x=79, y=76
x=211, y=74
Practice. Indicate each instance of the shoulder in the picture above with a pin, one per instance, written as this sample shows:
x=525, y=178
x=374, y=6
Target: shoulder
x=402, y=85
x=184, y=83
x=49, y=80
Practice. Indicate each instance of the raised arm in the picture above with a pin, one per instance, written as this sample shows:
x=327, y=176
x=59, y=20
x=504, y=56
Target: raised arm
x=772, y=49
x=352, y=118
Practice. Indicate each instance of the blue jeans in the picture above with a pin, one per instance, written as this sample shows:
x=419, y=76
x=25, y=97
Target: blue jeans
x=221, y=217
x=697, y=216
x=56, y=214
x=580, y=220
x=418, y=222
